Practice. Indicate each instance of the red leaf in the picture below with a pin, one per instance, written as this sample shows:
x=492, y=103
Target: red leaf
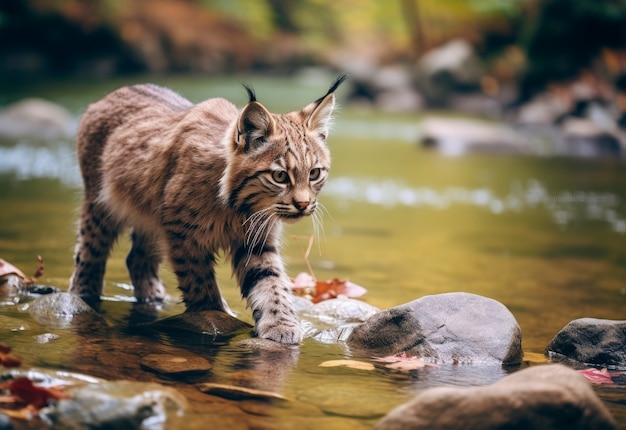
x=596, y=376
x=32, y=394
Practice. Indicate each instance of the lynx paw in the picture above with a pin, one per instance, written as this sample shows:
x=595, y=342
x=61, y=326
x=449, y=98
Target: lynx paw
x=287, y=332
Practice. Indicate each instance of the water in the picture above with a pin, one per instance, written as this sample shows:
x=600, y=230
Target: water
x=544, y=236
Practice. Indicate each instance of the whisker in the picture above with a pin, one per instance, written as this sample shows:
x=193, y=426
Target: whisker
x=259, y=230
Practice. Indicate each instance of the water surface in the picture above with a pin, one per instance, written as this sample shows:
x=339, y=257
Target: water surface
x=544, y=236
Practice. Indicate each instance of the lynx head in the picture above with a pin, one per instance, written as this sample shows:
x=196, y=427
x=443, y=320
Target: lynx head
x=278, y=163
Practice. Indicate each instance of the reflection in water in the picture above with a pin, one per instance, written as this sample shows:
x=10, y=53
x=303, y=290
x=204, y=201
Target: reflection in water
x=564, y=206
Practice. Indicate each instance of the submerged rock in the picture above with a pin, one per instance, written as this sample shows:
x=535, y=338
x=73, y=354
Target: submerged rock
x=592, y=341
x=117, y=404
x=332, y=321
x=215, y=324
x=543, y=397
x=339, y=311
x=63, y=310
x=175, y=365
x=443, y=328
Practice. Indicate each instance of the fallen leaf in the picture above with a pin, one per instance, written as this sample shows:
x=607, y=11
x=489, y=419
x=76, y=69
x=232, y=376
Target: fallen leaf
x=403, y=362
x=31, y=394
x=7, y=269
x=352, y=364
x=303, y=280
x=596, y=376
x=237, y=392
x=305, y=285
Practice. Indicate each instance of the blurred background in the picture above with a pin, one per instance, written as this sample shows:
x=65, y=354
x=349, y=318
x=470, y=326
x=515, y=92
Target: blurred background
x=480, y=56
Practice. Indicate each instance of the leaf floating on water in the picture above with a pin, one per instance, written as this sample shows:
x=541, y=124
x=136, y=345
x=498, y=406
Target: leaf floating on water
x=403, y=362
x=305, y=284
x=596, y=376
x=7, y=269
x=239, y=393
x=352, y=364
x=34, y=395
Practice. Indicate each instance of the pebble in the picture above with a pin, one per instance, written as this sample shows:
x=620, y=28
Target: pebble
x=169, y=364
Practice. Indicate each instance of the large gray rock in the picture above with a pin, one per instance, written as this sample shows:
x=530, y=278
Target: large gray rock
x=547, y=397
x=454, y=136
x=593, y=341
x=443, y=328
x=36, y=118
x=450, y=67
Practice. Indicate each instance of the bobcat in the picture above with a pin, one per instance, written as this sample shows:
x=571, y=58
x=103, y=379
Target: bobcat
x=192, y=180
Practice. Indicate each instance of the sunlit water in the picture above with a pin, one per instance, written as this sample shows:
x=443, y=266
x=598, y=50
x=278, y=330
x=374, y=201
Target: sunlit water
x=545, y=236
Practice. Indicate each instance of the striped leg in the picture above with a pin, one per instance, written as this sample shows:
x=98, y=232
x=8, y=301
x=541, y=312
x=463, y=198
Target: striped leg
x=143, y=267
x=96, y=234
x=265, y=286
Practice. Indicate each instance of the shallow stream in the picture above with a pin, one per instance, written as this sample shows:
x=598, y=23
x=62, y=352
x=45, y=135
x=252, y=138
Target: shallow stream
x=544, y=236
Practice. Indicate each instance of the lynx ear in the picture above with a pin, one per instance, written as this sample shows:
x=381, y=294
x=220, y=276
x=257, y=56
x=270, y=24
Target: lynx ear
x=255, y=124
x=319, y=113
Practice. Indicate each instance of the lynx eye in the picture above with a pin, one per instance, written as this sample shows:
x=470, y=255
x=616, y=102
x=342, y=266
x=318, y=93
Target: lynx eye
x=280, y=176
x=315, y=174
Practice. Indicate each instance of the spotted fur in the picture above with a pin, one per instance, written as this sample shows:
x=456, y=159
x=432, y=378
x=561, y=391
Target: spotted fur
x=193, y=180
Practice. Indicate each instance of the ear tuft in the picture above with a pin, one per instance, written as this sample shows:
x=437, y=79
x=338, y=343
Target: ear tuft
x=320, y=111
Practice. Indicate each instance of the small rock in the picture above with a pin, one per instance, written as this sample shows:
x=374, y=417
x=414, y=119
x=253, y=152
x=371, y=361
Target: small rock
x=36, y=118
x=547, y=397
x=339, y=399
x=592, y=341
x=63, y=310
x=239, y=393
x=215, y=324
x=118, y=404
x=169, y=364
x=444, y=328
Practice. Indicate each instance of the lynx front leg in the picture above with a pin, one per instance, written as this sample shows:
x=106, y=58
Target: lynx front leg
x=265, y=286
x=143, y=267
x=96, y=235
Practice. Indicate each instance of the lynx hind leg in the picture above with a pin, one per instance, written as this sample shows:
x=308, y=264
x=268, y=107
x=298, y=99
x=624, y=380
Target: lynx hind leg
x=97, y=233
x=143, y=263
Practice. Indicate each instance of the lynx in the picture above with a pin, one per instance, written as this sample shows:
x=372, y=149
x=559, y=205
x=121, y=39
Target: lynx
x=195, y=180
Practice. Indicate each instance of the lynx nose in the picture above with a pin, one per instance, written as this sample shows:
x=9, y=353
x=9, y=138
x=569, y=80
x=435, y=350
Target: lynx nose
x=301, y=205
